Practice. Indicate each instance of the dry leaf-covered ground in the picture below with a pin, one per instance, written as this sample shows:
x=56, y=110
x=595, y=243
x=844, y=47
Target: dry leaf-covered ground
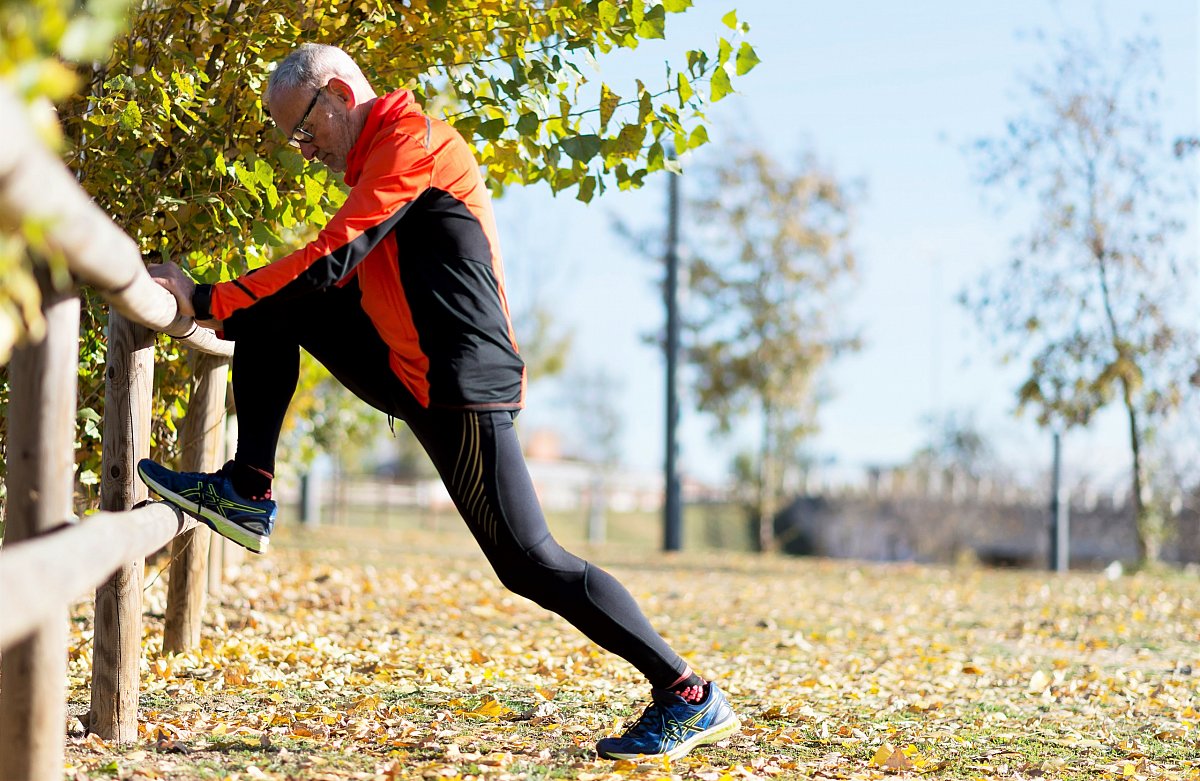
x=373, y=654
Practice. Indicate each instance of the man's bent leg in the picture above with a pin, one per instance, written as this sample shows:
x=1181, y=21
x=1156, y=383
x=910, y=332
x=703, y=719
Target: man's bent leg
x=331, y=326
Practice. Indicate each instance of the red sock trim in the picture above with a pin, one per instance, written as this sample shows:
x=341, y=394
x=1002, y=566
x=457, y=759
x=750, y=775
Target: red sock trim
x=687, y=673
x=262, y=472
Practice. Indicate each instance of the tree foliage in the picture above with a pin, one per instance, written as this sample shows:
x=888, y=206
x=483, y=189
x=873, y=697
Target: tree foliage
x=160, y=116
x=770, y=259
x=1095, y=298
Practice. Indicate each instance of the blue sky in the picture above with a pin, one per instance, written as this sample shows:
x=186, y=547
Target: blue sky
x=885, y=93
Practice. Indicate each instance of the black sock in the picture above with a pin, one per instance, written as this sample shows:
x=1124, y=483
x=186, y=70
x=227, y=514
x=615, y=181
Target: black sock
x=249, y=481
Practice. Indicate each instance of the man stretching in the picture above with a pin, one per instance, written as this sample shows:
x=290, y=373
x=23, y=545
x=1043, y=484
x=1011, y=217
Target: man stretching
x=401, y=297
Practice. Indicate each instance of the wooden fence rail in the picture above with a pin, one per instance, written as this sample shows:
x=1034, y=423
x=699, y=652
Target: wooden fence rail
x=47, y=562
x=43, y=574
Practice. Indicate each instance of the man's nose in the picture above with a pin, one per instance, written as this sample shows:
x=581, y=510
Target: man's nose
x=309, y=151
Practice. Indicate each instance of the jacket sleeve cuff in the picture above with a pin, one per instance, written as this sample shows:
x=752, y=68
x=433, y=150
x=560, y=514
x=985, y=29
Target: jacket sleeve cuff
x=202, y=302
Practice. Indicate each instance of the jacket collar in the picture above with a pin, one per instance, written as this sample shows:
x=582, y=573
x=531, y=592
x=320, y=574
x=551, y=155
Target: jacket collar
x=384, y=111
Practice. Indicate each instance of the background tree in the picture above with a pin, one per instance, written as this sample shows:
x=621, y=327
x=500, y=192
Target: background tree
x=1095, y=298
x=166, y=130
x=594, y=397
x=769, y=260
x=956, y=447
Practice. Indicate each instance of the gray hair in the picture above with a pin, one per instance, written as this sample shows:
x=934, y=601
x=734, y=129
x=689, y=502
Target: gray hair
x=312, y=65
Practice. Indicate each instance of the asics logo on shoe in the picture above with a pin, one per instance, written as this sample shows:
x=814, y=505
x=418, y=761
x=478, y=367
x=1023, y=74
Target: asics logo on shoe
x=205, y=493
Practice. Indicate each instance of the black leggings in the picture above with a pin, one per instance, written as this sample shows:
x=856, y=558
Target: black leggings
x=476, y=453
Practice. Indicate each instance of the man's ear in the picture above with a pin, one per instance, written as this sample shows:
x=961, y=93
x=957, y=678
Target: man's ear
x=342, y=91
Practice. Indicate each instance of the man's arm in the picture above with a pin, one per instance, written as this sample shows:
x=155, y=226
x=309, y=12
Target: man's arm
x=394, y=177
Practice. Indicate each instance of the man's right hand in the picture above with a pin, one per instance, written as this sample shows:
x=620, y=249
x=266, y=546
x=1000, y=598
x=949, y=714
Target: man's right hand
x=178, y=284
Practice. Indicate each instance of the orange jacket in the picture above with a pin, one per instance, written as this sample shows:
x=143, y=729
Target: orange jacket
x=417, y=230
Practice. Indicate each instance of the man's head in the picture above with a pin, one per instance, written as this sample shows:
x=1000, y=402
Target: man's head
x=320, y=98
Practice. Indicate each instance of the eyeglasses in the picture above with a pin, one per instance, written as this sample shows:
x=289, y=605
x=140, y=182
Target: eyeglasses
x=299, y=134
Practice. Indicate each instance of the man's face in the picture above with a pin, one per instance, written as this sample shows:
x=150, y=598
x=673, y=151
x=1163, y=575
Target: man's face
x=327, y=134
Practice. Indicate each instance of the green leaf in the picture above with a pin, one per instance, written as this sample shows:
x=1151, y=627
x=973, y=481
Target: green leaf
x=685, y=89
x=677, y=6
x=609, y=101
x=655, y=156
x=247, y=179
x=724, y=49
x=587, y=189
x=120, y=83
x=608, y=12
x=730, y=19
x=263, y=234
x=528, y=124
x=492, y=129
x=720, y=84
x=654, y=24
x=645, y=103
x=581, y=148
x=699, y=137
x=263, y=173
x=746, y=59
x=131, y=116
x=628, y=142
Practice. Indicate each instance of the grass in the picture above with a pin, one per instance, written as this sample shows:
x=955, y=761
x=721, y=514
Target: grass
x=370, y=652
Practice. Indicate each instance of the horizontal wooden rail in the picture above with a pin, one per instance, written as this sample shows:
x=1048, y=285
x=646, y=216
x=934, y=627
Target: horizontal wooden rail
x=40, y=575
x=36, y=188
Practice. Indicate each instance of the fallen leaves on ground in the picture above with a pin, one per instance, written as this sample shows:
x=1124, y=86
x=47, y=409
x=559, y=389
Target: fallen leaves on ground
x=377, y=654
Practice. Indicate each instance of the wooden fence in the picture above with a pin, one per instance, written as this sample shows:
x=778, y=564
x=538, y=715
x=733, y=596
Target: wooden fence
x=49, y=560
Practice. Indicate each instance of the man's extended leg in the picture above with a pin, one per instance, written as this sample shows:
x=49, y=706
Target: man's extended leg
x=480, y=461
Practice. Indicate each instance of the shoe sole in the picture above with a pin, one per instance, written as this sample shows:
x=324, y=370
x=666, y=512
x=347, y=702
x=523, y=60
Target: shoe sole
x=256, y=543
x=707, y=737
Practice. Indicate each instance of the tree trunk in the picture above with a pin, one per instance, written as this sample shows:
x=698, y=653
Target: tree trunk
x=1147, y=524
x=766, y=487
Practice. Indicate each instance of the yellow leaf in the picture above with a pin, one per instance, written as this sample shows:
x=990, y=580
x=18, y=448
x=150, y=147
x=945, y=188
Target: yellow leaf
x=491, y=708
x=882, y=754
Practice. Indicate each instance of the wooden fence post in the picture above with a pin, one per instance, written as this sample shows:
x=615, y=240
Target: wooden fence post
x=128, y=378
x=41, y=480
x=203, y=438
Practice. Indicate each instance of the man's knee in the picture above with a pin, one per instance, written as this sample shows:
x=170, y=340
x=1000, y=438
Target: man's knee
x=545, y=573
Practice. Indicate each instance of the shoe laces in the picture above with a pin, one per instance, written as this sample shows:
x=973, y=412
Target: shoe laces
x=657, y=718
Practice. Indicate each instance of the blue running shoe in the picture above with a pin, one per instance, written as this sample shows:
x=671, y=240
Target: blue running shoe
x=210, y=499
x=671, y=727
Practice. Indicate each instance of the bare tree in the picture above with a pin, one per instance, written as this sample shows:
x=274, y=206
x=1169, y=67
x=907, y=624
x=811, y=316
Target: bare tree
x=1095, y=297
x=769, y=260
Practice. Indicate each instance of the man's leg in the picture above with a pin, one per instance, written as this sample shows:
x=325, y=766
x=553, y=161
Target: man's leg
x=480, y=461
x=332, y=327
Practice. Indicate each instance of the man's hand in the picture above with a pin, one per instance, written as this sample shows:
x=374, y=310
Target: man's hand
x=180, y=285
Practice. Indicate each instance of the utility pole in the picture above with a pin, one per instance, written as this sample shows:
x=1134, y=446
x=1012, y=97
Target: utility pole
x=672, y=505
x=1060, y=505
